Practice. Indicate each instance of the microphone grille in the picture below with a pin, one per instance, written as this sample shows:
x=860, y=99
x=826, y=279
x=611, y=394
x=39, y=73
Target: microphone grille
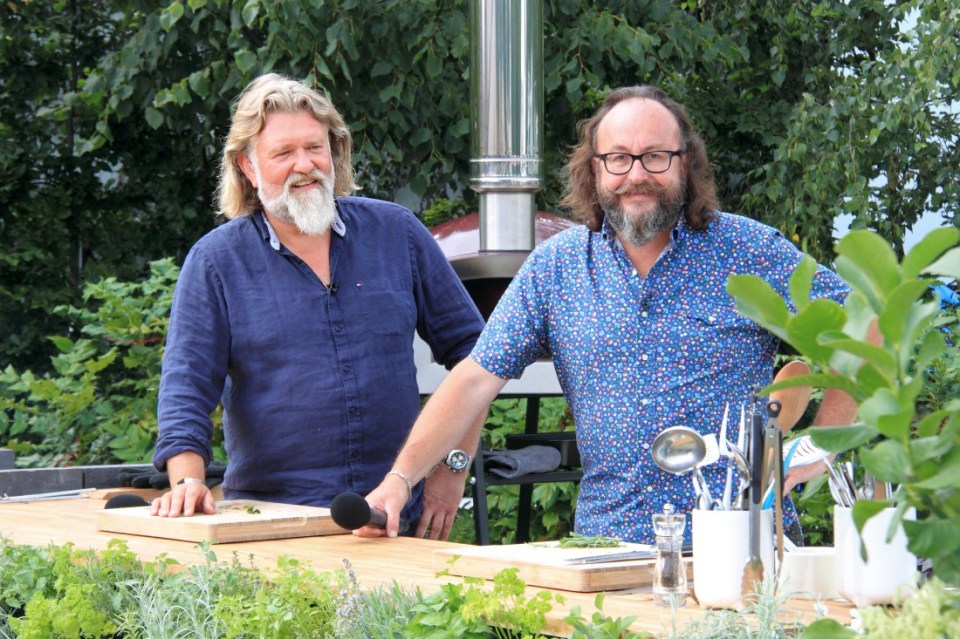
x=350, y=511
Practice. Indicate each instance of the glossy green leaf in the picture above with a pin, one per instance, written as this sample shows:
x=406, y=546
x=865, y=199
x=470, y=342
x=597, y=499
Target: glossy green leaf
x=947, y=473
x=931, y=447
x=828, y=629
x=250, y=11
x=880, y=358
x=918, y=320
x=199, y=83
x=870, y=380
x=933, y=345
x=946, y=420
x=801, y=282
x=154, y=117
x=885, y=410
x=842, y=438
x=860, y=282
x=872, y=256
x=804, y=329
x=928, y=249
x=758, y=301
x=245, y=60
x=381, y=68
x=171, y=15
x=864, y=510
x=893, y=321
x=933, y=537
x=887, y=461
x=948, y=265
x=860, y=316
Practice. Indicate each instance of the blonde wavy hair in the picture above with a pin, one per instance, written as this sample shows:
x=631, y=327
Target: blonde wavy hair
x=274, y=93
x=700, y=205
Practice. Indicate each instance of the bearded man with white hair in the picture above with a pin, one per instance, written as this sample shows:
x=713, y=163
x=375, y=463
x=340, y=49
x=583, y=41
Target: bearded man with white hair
x=298, y=315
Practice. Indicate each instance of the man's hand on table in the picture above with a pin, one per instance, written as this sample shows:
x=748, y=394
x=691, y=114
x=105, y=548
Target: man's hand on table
x=390, y=497
x=442, y=494
x=185, y=500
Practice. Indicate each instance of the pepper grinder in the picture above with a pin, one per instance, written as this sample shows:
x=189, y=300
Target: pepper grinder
x=669, y=575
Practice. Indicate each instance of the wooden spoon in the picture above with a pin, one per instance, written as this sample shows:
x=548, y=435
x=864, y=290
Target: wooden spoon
x=793, y=401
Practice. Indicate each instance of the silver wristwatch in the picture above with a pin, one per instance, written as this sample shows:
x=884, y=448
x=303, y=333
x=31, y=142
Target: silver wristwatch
x=457, y=460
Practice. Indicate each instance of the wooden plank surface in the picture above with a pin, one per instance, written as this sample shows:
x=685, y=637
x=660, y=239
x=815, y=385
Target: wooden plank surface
x=236, y=520
x=546, y=565
x=376, y=562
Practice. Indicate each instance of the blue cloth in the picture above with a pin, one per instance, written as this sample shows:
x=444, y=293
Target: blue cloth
x=318, y=385
x=636, y=355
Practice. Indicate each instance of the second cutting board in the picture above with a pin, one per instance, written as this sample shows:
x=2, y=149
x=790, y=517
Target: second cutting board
x=546, y=565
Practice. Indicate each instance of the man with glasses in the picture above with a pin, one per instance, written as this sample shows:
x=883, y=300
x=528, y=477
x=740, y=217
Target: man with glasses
x=633, y=309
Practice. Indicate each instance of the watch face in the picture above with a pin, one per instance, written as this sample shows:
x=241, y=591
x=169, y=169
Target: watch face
x=458, y=460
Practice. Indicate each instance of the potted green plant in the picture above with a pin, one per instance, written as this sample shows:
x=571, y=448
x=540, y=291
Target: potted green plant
x=918, y=453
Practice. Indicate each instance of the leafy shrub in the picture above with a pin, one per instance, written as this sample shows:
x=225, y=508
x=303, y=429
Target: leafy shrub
x=552, y=504
x=101, y=407
x=61, y=592
x=894, y=440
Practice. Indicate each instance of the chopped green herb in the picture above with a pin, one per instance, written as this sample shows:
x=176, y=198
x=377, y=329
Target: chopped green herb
x=253, y=510
x=585, y=541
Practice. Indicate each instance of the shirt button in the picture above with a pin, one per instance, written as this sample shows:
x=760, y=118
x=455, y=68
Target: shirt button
x=712, y=319
x=347, y=368
x=644, y=357
x=643, y=314
x=338, y=328
x=354, y=410
x=649, y=489
x=646, y=446
x=644, y=401
x=354, y=453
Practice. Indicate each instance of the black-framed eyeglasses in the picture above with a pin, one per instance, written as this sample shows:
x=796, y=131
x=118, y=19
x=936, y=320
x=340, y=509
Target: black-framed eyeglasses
x=651, y=161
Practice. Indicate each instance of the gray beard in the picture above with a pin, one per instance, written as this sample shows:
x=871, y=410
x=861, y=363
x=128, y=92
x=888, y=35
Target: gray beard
x=643, y=229
x=312, y=212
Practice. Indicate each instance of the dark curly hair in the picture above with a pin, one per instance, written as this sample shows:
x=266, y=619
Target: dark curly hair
x=700, y=205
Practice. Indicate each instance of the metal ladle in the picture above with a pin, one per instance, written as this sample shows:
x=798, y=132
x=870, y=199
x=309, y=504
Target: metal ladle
x=678, y=450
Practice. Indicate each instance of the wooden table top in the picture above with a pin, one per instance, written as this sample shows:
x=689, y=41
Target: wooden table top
x=409, y=562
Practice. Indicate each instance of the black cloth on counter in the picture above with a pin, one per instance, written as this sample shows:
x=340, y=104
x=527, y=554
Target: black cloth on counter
x=522, y=461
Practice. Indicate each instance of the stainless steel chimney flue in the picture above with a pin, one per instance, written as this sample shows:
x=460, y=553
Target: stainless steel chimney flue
x=506, y=90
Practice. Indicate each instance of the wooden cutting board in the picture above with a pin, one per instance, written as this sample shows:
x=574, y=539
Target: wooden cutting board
x=236, y=520
x=544, y=564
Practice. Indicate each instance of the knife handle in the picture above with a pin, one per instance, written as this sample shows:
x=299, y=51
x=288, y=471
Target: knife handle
x=756, y=458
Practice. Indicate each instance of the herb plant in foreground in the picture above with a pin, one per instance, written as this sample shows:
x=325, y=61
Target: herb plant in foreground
x=918, y=453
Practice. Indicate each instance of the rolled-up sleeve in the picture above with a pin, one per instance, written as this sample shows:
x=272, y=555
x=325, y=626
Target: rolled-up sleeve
x=194, y=362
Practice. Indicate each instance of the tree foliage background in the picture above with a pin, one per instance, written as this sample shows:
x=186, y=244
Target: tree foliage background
x=112, y=115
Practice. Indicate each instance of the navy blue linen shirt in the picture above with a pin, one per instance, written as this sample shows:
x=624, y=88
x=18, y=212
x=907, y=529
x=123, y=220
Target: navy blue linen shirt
x=318, y=384
x=636, y=355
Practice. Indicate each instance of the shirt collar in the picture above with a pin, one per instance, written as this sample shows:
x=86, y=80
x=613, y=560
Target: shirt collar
x=270, y=235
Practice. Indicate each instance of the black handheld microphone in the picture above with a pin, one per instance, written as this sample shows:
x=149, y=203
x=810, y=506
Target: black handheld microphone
x=125, y=500
x=351, y=511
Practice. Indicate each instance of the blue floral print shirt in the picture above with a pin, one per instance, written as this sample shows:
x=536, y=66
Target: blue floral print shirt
x=636, y=355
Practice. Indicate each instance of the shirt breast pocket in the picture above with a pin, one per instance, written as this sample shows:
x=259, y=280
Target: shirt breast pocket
x=714, y=336
x=388, y=308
